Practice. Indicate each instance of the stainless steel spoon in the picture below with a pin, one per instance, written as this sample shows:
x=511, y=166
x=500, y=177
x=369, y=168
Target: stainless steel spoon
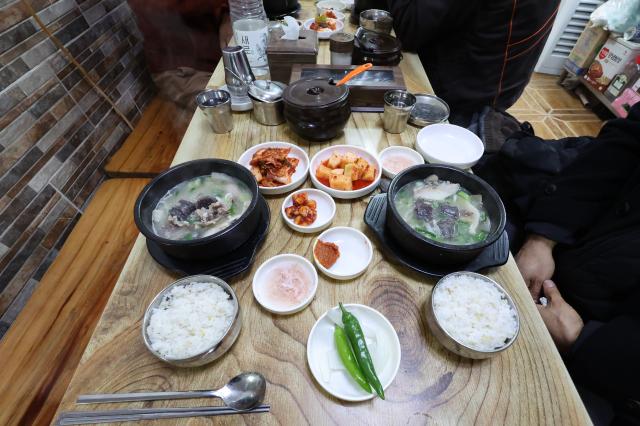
x=243, y=392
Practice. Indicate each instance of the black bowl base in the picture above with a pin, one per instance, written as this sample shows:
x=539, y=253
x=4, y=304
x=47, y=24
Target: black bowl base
x=375, y=217
x=224, y=267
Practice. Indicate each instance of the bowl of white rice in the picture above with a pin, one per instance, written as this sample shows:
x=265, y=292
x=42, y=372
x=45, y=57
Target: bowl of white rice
x=192, y=322
x=472, y=315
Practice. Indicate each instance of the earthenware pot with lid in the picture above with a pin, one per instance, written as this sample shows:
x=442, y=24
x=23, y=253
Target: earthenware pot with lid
x=316, y=109
x=377, y=48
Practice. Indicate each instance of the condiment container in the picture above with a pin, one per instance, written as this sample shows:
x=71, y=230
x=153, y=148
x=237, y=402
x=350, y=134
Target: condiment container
x=341, y=47
x=283, y=54
x=266, y=97
x=216, y=107
x=316, y=109
x=610, y=61
x=377, y=48
x=376, y=20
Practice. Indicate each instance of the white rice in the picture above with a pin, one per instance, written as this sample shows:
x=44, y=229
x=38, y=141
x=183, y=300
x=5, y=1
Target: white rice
x=191, y=319
x=474, y=312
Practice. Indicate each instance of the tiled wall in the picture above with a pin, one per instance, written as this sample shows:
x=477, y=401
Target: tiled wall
x=55, y=130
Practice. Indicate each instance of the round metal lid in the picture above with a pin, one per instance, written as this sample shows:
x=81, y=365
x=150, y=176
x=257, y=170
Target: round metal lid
x=429, y=109
x=266, y=90
x=315, y=93
x=379, y=43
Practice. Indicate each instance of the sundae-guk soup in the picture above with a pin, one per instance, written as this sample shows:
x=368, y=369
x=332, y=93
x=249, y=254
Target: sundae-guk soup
x=200, y=207
x=443, y=211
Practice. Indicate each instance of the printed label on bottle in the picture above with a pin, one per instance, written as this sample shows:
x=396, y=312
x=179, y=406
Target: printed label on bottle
x=254, y=44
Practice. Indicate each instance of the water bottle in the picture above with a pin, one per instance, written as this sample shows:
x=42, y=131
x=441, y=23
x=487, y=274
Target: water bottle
x=250, y=31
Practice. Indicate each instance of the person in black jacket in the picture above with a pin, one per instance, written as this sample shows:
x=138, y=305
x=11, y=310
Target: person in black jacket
x=578, y=203
x=476, y=53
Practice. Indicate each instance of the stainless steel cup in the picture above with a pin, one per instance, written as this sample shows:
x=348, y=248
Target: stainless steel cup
x=216, y=106
x=397, y=107
x=237, y=71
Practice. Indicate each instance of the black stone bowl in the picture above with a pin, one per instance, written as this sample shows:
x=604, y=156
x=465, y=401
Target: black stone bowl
x=434, y=251
x=217, y=244
x=318, y=124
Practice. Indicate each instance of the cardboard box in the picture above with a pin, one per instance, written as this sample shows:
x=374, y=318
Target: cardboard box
x=585, y=49
x=610, y=61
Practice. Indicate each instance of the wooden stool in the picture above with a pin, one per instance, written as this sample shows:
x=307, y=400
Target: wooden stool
x=42, y=348
x=150, y=148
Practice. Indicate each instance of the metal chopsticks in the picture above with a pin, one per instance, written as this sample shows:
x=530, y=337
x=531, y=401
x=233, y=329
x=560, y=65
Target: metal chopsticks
x=137, y=414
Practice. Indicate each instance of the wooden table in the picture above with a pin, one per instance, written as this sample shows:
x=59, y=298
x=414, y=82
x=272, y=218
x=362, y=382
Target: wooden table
x=528, y=384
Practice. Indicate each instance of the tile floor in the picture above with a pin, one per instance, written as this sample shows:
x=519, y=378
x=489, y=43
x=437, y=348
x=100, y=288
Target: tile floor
x=554, y=112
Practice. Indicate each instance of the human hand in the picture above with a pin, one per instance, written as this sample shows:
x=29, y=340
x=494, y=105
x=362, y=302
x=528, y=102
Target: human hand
x=562, y=321
x=225, y=32
x=535, y=262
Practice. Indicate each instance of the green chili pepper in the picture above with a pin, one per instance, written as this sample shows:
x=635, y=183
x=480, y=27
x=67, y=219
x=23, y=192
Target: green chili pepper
x=349, y=359
x=356, y=337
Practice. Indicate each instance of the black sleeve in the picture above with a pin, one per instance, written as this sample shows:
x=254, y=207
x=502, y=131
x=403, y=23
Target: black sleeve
x=605, y=358
x=419, y=22
x=579, y=195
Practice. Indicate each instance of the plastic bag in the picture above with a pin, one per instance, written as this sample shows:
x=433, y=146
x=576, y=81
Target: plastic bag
x=617, y=15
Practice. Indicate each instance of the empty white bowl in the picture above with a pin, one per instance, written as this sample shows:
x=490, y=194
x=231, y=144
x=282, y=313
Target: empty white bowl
x=398, y=155
x=324, y=154
x=325, y=207
x=330, y=5
x=450, y=145
x=324, y=35
x=297, y=178
x=356, y=252
x=261, y=277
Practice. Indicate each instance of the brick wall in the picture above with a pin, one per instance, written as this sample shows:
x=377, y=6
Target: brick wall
x=55, y=130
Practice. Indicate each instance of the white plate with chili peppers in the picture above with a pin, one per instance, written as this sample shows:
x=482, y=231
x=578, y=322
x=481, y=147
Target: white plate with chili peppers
x=326, y=364
x=308, y=210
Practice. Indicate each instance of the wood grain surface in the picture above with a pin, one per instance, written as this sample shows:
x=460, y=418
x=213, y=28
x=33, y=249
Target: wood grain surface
x=528, y=384
x=43, y=347
x=149, y=149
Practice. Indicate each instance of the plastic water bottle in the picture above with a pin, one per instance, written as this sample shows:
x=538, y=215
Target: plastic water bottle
x=250, y=30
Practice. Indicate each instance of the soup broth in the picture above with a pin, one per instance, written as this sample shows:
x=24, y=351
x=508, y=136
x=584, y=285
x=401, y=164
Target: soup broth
x=443, y=211
x=200, y=207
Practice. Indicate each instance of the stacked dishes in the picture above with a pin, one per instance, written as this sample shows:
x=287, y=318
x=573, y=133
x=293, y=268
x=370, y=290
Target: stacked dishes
x=316, y=109
x=377, y=48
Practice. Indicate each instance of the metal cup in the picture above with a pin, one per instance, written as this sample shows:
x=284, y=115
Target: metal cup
x=216, y=106
x=237, y=71
x=397, y=107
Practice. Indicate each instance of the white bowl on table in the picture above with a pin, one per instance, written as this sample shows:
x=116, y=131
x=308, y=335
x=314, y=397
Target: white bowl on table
x=324, y=154
x=356, y=252
x=324, y=35
x=450, y=145
x=410, y=155
x=297, y=178
x=340, y=6
x=326, y=210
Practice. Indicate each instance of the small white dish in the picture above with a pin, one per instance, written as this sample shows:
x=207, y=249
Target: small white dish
x=297, y=178
x=260, y=278
x=449, y=144
x=356, y=252
x=325, y=207
x=324, y=154
x=239, y=104
x=325, y=364
x=338, y=5
x=324, y=35
x=339, y=15
x=398, y=154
